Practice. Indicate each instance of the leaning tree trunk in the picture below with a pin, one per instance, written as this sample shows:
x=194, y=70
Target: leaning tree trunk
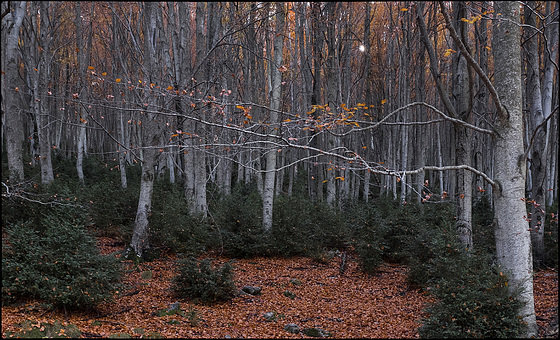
x=513, y=240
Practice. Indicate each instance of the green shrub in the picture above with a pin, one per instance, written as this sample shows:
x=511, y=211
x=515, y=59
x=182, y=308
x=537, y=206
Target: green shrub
x=173, y=227
x=112, y=208
x=239, y=219
x=482, y=225
x=198, y=280
x=291, y=227
x=369, y=234
x=330, y=231
x=431, y=252
x=301, y=227
x=472, y=302
x=55, y=259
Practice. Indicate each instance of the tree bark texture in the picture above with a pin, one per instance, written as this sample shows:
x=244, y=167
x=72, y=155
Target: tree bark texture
x=513, y=240
x=12, y=125
x=275, y=97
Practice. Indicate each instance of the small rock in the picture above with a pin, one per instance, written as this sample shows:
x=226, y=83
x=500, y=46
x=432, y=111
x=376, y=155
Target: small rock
x=174, y=307
x=292, y=328
x=289, y=294
x=269, y=316
x=252, y=290
x=295, y=282
x=316, y=332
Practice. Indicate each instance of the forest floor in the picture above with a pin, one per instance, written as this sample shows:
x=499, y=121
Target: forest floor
x=351, y=305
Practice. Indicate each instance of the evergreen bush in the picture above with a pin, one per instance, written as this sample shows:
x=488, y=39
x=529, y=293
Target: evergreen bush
x=112, y=208
x=198, y=280
x=291, y=227
x=369, y=232
x=330, y=231
x=473, y=301
x=56, y=259
x=482, y=224
x=239, y=219
x=301, y=227
x=171, y=224
x=432, y=251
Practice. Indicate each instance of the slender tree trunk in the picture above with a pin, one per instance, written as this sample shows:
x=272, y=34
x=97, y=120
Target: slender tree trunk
x=461, y=93
x=80, y=87
x=550, y=55
x=404, y=97
x=513, y=240
x=275, y=97
x=332, y=95
x=420, y=132
x=537, y=153
x=315, y=179
x=203, y=43
x=122, y=156
x=483, y=150
x=38, y=54
x=140, y=234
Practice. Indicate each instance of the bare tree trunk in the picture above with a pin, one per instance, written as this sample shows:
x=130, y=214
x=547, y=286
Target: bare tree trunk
x=140, y=234
x=537, y=152
x=81, y=91
x=202, y=45
x=420, y=133
x=483, y=149
x=332, y=95
x=315, y=177
x=550, y=55
x=38, y=55
x=11, y=122
x=275, y=97
x=463, y=106
x=513, y=239
x=404, y=97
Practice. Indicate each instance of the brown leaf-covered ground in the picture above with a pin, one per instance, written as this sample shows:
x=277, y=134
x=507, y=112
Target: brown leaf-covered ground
x=352, y=305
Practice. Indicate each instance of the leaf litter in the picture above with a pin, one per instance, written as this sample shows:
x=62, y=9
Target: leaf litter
x=348, y=305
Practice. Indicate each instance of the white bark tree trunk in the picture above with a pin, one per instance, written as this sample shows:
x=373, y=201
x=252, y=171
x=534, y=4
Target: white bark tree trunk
x=463, y=106
x=12, y=126
x=275, y=97
x=513, y=241
x=551, y=34
x=140, y=234
x=537, y=142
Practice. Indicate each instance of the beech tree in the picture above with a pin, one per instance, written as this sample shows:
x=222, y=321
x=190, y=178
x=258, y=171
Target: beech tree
x=149, y=132
x=511, y=229
x=275, y=68
x=513, y=241
x=411, y=101
x=11, y=123
x=537, y=143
